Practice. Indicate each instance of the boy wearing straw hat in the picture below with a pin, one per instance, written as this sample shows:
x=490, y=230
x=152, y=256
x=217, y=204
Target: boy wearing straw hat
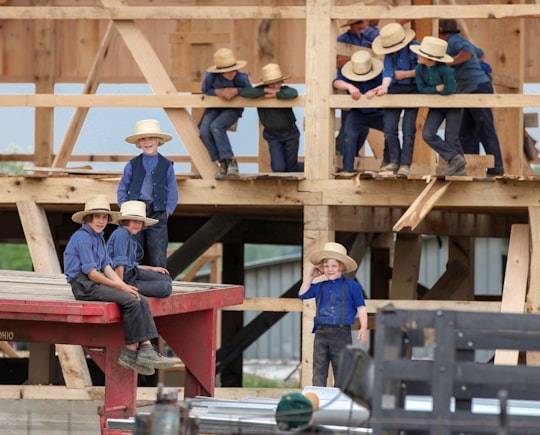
x=399, y=77
x=280, y=130
x=224, y=80
x=88, y=269
x=473, y=77
x=358, y=77
x=434, y=76
x=150, y=178
x=361, y=33
x=338, y=300
x=152, y=281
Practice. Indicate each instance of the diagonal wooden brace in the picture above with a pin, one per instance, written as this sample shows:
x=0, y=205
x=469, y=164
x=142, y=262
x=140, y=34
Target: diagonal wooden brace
x=422, y=205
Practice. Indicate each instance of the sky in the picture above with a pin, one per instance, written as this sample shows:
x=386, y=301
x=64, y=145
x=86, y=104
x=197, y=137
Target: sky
x=105, y=129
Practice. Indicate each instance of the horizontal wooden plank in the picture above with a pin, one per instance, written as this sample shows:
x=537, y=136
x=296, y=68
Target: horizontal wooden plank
x=295, y=305
x=268, y=12
x=52, y=392
x=201, y=101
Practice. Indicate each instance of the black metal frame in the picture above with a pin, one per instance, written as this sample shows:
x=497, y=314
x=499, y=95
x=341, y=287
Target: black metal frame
x=451, y=377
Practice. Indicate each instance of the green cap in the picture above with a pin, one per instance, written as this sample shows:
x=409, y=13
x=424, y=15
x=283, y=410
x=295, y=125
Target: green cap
x=293, y=410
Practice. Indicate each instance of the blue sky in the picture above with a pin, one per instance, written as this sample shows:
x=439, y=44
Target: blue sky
x=105, y=129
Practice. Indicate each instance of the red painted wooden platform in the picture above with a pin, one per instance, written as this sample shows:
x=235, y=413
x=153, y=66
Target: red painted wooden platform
x=41, y=308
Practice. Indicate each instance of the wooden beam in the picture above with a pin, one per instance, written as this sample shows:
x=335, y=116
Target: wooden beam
x=211, y=232
x=90, y=87
x=44, y=259
x=175, y=100
x=372, y=305
x=406, y=268
x=533, y=294
x=422, y=205
x=381, y=12
x=199, y=38
x=456, y=274
x=515, y=283
x=157, y=77
x=44, y=77
x=319, y=119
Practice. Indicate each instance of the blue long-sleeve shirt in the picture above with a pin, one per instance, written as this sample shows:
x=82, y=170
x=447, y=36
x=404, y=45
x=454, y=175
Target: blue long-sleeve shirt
x=469, y=74
x=329, y=304
x=401, y=60
x=366, y=37
x=363, y=87
x=85, y=251
x=213, y=81
x=122, y=249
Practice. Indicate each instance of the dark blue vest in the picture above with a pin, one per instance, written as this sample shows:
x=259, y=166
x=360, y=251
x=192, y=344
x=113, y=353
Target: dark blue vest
x=159, y=181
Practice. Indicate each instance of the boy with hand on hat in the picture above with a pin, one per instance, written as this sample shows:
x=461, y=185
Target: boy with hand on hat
x=360, y=76
x=399, y=77
x=223, y=80
x=153, y=281
x=338, y=300
x=434, y=76
x=280, y=130
x=150, y=178
x=88, y=269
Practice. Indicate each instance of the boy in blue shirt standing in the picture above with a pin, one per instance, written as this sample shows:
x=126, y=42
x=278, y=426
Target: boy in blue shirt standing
x=88, y=270
x=338, y=301
x=150, y=178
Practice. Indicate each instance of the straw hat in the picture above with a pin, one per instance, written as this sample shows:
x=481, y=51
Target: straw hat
x=351, y=22
x=225, y=61
x=148, y=128
x=271, y=73
x=95, y=204
x=134, y=211
x=392, y=37
x=433, y=48
x=335, y=251
x=362, y=67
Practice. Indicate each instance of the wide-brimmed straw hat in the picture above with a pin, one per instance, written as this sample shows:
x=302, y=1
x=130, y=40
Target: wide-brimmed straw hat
x=392, y=37
x=225, y=61
x=148, y=128
x=271, y=73
x=135, y=211
x=362, y=67
x=351, y=22
x=337, y=252
x=433, y=48
x=94, y=205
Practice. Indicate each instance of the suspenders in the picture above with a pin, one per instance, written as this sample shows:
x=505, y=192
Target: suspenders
x=343, y=288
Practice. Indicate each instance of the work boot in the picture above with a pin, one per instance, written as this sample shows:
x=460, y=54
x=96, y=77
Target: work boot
x=128, y=359
x=232, y=168
x=147, y=356
x=404, y=171
x=456, y=166
x=222, y=169
x=389, y=167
